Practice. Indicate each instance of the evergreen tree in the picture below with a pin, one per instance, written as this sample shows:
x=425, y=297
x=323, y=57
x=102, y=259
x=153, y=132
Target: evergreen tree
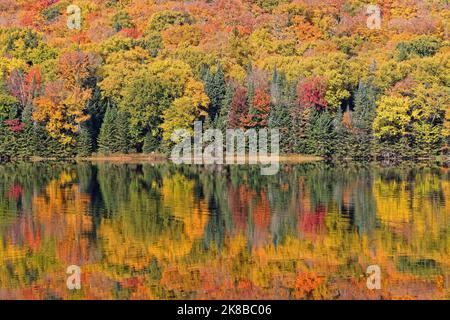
x=215, y=88
x=320, y=134
x=40, y=142
x=362, y=119
x=279, y=116
x=96, y=108
x=84, y=143
x=365, y=104
x=150, y=143
x=108, y=132
x=5, y=139
x=218, y=92
x=222, y=118
x=343, y=137
x=122, y=139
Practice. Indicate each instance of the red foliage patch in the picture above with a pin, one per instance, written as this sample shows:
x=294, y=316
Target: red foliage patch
x=15, y=125
x=311, y=93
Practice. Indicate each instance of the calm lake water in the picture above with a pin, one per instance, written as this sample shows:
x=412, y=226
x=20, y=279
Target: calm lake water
x=143, y=231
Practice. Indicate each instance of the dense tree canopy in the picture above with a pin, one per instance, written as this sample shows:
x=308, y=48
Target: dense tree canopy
x=238, y=63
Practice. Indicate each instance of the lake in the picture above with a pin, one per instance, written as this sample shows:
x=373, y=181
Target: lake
x=160, y=231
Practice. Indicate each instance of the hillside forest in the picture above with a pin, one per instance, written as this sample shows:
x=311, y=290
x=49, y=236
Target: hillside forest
x=137, y=70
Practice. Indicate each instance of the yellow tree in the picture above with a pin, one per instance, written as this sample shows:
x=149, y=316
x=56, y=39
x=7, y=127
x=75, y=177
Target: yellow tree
x=62, y=107
x=183, y=111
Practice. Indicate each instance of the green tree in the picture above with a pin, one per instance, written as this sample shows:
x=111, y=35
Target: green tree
x=108, y=132
x=150, y=143
x=122, y=20
x=215, y=88
x=122, y=139
x=320, y=134
x=84, y=143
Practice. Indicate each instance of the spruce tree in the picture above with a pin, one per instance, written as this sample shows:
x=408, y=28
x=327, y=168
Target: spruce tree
x=342, y=136
x=122, y=139
x=218, y=92
x=40, y=141
x=280, y=116
x=362, y=119
x=215, y=88
x=222, y=118
x=84, y=143
x=150, y=143
x=108, y=132
x=365, y=104
x=96, y=108
x=5, y=139
x=320, y=134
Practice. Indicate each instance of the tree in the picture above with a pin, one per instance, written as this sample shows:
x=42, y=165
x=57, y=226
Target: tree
x=362, y=119
x=238, y=108
x=221, y=122
x=84, y=143
x=25, y=88
x=150, y=143
x=258, y=114
x=320, y=134
x=311, y=93
x=422, y=46
x=62, y=110
x=108, y=132
x=163, y=19
x=62, y=106
x=185, y=110
x=122, y=20
x=122, y=138
x=282, y=98
x=155, y=90
x=120, y=70
x=215, y=88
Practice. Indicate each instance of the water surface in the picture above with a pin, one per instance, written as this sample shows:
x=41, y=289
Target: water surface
x=143, y=231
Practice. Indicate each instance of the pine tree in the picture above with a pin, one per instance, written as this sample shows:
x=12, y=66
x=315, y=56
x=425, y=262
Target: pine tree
x=108, y=132
x=320, y=134
x=280, y=110
x=5, y=139
x=219, y=92
x=150, y=143
x=40, y=142
x=96, y=108
x=84, y=143
x=215, y=88
x=343, y=137
x=221, y=122
x=362, y=119
x=365, y=104
x=122, y=139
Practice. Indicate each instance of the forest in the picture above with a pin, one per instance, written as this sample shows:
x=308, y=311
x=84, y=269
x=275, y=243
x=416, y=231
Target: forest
x=139, y=69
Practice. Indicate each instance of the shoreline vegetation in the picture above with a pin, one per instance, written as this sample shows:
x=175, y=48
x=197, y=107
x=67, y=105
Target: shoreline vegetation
x=332, y=87
x=157, y=158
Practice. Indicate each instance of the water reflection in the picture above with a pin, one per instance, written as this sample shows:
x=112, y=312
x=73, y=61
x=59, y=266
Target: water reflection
x=166, y=232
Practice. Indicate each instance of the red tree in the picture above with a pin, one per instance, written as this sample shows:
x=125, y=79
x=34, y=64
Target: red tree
x=25, y=87
x=311, y=93
x=238, y=108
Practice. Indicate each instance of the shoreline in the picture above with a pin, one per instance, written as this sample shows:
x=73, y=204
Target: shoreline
x=158, y=158
x=161, y=158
